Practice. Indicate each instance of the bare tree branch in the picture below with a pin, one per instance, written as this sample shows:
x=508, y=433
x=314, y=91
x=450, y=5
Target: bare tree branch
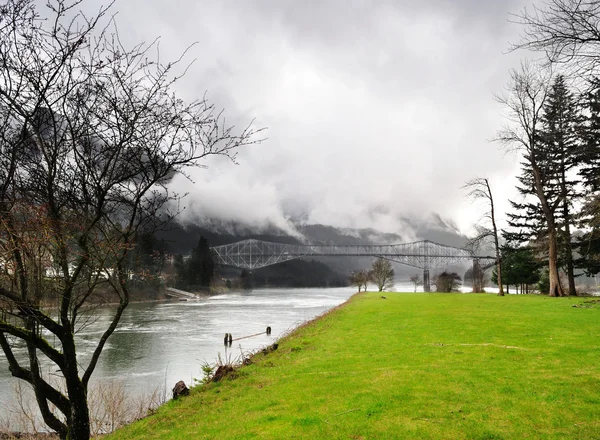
x=91, y=135
x=567, y=32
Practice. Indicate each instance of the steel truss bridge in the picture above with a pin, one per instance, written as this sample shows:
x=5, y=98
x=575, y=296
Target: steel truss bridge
x=253, y=254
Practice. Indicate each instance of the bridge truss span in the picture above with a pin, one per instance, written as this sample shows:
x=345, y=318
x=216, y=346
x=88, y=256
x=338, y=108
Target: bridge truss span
x=253, y=254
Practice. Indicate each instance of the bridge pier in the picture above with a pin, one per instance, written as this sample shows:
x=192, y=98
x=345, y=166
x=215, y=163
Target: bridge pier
x=477, y=276
x=426, y=282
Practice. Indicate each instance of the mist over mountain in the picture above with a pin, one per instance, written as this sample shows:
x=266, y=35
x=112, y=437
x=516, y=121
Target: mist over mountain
x=181, y=238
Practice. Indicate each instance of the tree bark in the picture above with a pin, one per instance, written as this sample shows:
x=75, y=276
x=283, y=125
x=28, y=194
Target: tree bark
x=79, y=426
x=555, y=286
x=549, y=213
x=79, y=429
x=567, y=220
x=496, y=244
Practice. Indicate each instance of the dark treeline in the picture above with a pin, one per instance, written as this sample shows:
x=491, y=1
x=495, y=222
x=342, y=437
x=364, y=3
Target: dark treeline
x=195, y=272
x=152, y=263
x=298, y=273
x=522, y=269
x=295, y=273
x=147, y=261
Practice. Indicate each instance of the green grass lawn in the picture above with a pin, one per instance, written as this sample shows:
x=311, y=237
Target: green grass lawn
x=447, y=366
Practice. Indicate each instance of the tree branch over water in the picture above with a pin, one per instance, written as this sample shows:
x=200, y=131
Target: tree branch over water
x=91, y=135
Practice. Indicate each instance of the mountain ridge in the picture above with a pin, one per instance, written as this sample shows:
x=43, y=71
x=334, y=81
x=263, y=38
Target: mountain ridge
x=184, y=236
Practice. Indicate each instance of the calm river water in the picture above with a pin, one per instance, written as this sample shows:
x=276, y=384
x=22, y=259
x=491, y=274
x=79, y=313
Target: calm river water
x=169, y=341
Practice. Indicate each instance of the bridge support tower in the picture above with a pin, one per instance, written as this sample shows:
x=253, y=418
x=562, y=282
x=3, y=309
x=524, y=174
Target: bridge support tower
x=426, y=281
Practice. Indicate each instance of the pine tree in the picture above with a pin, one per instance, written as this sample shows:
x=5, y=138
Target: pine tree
x=544, y=218
x=181, y=271
x=200, y=267
x=588, y=246
x=589, y=152
x=527, y=220
x=207, y=267
x=561, y=121
x=519, y=267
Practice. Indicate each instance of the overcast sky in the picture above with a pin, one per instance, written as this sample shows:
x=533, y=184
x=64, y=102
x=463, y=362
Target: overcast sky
x=376, y=110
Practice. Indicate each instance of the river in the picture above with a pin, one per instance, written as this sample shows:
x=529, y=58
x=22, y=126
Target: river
x=160, y=343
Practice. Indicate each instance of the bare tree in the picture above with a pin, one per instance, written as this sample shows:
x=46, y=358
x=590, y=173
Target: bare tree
x=524, y=101
x=364, y=276
x=566, y=31
x=416, y=280
x=360, y=278
x=479, y=189
x=382, y=274
x=356, y=280
x=91, y=134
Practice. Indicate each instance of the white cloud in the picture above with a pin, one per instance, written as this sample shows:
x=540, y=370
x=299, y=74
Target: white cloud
x=376, y=111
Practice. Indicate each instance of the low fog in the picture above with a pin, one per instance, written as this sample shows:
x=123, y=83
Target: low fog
x=377, y=112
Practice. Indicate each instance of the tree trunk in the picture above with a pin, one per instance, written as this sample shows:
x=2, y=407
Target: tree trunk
x=567, y=220
x=490, y=197
x=569, y=250
x=79, y=428
x=79, y=423
x=555, y=286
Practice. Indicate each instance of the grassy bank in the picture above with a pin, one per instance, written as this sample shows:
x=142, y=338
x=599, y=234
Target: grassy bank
x=446, y=366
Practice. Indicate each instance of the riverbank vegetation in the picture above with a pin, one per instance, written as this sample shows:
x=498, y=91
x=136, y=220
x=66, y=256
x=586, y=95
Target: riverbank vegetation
x=410, y=366
x=381, y=274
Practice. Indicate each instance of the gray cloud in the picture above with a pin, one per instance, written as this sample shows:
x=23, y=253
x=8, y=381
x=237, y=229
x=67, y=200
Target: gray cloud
x=377, y=111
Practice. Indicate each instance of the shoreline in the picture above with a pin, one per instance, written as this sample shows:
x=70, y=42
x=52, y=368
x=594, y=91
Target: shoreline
x=156, y=313
x=394, y=362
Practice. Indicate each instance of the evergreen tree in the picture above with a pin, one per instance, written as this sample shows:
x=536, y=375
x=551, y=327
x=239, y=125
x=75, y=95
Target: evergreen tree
x=589, y=152
x=527, y=220
x=146, y=260
x=180, y=271
x=588, y=246
x=207, y=269
x=200, y=266
x=544, y=217
x=520, y=267
x=561, y=121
